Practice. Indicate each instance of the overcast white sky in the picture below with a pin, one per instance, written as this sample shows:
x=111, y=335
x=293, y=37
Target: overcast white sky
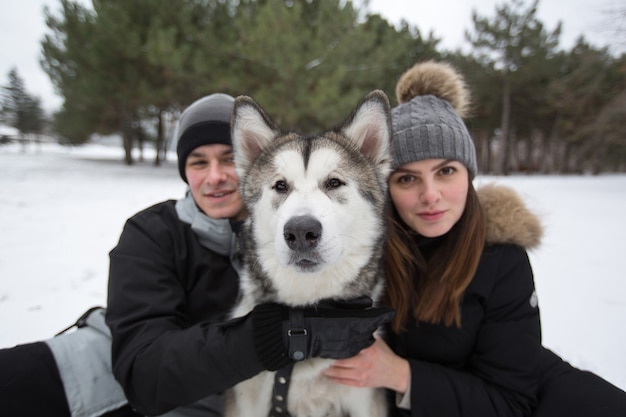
x=22, y=26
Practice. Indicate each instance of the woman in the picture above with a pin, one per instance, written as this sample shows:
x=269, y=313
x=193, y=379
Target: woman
x=466, y=340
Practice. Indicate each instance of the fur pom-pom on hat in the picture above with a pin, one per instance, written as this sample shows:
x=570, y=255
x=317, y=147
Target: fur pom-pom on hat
x=437, y=79
x=428, y=122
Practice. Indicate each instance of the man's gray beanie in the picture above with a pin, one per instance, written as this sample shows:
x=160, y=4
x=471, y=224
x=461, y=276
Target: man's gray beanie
x=427, y=124
x=206, y=121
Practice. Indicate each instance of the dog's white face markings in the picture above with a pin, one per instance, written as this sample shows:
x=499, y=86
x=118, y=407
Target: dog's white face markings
x=348, y=225
x=315, y=203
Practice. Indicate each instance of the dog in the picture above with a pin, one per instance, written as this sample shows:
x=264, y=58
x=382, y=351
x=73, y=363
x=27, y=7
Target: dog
x=315, y=231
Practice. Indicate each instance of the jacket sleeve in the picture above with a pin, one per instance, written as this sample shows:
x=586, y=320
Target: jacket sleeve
x=500, y=377
x=161, y=357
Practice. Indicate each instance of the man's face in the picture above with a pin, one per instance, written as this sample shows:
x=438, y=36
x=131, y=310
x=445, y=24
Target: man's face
x=210, y=171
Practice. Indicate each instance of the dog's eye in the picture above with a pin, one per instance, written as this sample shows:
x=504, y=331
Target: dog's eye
x=281, y=187
x=334, y=183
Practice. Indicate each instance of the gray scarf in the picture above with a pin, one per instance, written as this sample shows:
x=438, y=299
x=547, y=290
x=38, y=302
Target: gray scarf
x=214, y=234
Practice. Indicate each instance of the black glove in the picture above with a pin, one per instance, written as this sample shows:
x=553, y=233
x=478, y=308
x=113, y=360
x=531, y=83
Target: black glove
x=330, y=329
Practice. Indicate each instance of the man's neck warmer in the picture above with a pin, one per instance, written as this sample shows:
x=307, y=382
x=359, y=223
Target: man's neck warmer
x=214, y=234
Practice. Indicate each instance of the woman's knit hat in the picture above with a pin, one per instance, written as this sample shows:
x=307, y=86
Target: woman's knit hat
x=427, y=124
x=204, y=122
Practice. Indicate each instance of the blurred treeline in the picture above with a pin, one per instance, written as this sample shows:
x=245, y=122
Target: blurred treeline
x=130, y=67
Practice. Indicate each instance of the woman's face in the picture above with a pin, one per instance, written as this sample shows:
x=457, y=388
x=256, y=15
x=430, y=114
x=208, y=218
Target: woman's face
x=430, y=195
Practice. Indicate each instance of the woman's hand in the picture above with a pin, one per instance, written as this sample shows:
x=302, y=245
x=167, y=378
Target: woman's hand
x=376, y=366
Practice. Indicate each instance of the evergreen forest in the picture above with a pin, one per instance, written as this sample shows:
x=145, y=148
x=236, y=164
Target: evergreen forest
x=130, y=67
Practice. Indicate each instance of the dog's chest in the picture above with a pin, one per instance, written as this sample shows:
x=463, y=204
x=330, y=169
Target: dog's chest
x=302, y=392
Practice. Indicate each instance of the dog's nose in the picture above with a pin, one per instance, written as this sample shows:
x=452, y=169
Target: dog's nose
x=302, y=232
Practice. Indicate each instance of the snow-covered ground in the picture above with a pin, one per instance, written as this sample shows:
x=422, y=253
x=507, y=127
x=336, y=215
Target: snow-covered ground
x=62, y=210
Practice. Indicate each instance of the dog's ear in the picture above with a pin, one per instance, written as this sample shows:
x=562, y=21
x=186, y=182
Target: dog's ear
x=251, y=131
x=369, y=127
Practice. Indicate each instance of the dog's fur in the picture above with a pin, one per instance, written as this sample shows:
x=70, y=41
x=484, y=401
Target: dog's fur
x=334, y=183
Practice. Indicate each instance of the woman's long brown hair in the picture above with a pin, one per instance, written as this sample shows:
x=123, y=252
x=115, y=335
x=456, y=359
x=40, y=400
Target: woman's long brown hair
x=432, y=290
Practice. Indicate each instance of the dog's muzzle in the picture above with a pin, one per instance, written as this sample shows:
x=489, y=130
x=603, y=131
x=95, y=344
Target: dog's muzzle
x=302, y=233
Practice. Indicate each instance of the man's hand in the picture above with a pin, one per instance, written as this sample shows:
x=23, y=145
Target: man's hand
x=330, y=329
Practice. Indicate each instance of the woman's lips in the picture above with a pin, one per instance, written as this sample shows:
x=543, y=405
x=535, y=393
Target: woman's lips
x=431, y=216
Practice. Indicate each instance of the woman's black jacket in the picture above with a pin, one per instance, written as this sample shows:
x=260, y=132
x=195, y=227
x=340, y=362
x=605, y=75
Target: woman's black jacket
x=491, y=365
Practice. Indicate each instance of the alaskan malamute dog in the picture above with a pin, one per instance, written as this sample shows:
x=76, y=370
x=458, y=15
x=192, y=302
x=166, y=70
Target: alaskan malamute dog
x=315, y=232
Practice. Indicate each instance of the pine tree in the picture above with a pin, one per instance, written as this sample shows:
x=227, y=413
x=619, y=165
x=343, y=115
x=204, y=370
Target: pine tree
x=19, y=109
x=512, y=38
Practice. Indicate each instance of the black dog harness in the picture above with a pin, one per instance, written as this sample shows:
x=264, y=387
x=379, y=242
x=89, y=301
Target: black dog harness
x=298, y=350
x=281, y=389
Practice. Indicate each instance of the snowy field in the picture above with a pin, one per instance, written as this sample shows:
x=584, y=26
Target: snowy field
x=62, y=210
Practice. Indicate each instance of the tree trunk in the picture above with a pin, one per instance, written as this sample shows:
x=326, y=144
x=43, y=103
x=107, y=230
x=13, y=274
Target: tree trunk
x=549, y=154
x=159, y=145
x=487, y=153
x=505, y=122
x=564, y=158
x=483, y=152
x=140, y=143
x=530, y=166
x=128, y=148
x=127, y=138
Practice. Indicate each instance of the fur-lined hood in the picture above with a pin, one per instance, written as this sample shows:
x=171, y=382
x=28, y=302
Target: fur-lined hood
x=508, y=218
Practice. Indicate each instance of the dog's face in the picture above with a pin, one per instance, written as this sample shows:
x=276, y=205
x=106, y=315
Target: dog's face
x=315, y=203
